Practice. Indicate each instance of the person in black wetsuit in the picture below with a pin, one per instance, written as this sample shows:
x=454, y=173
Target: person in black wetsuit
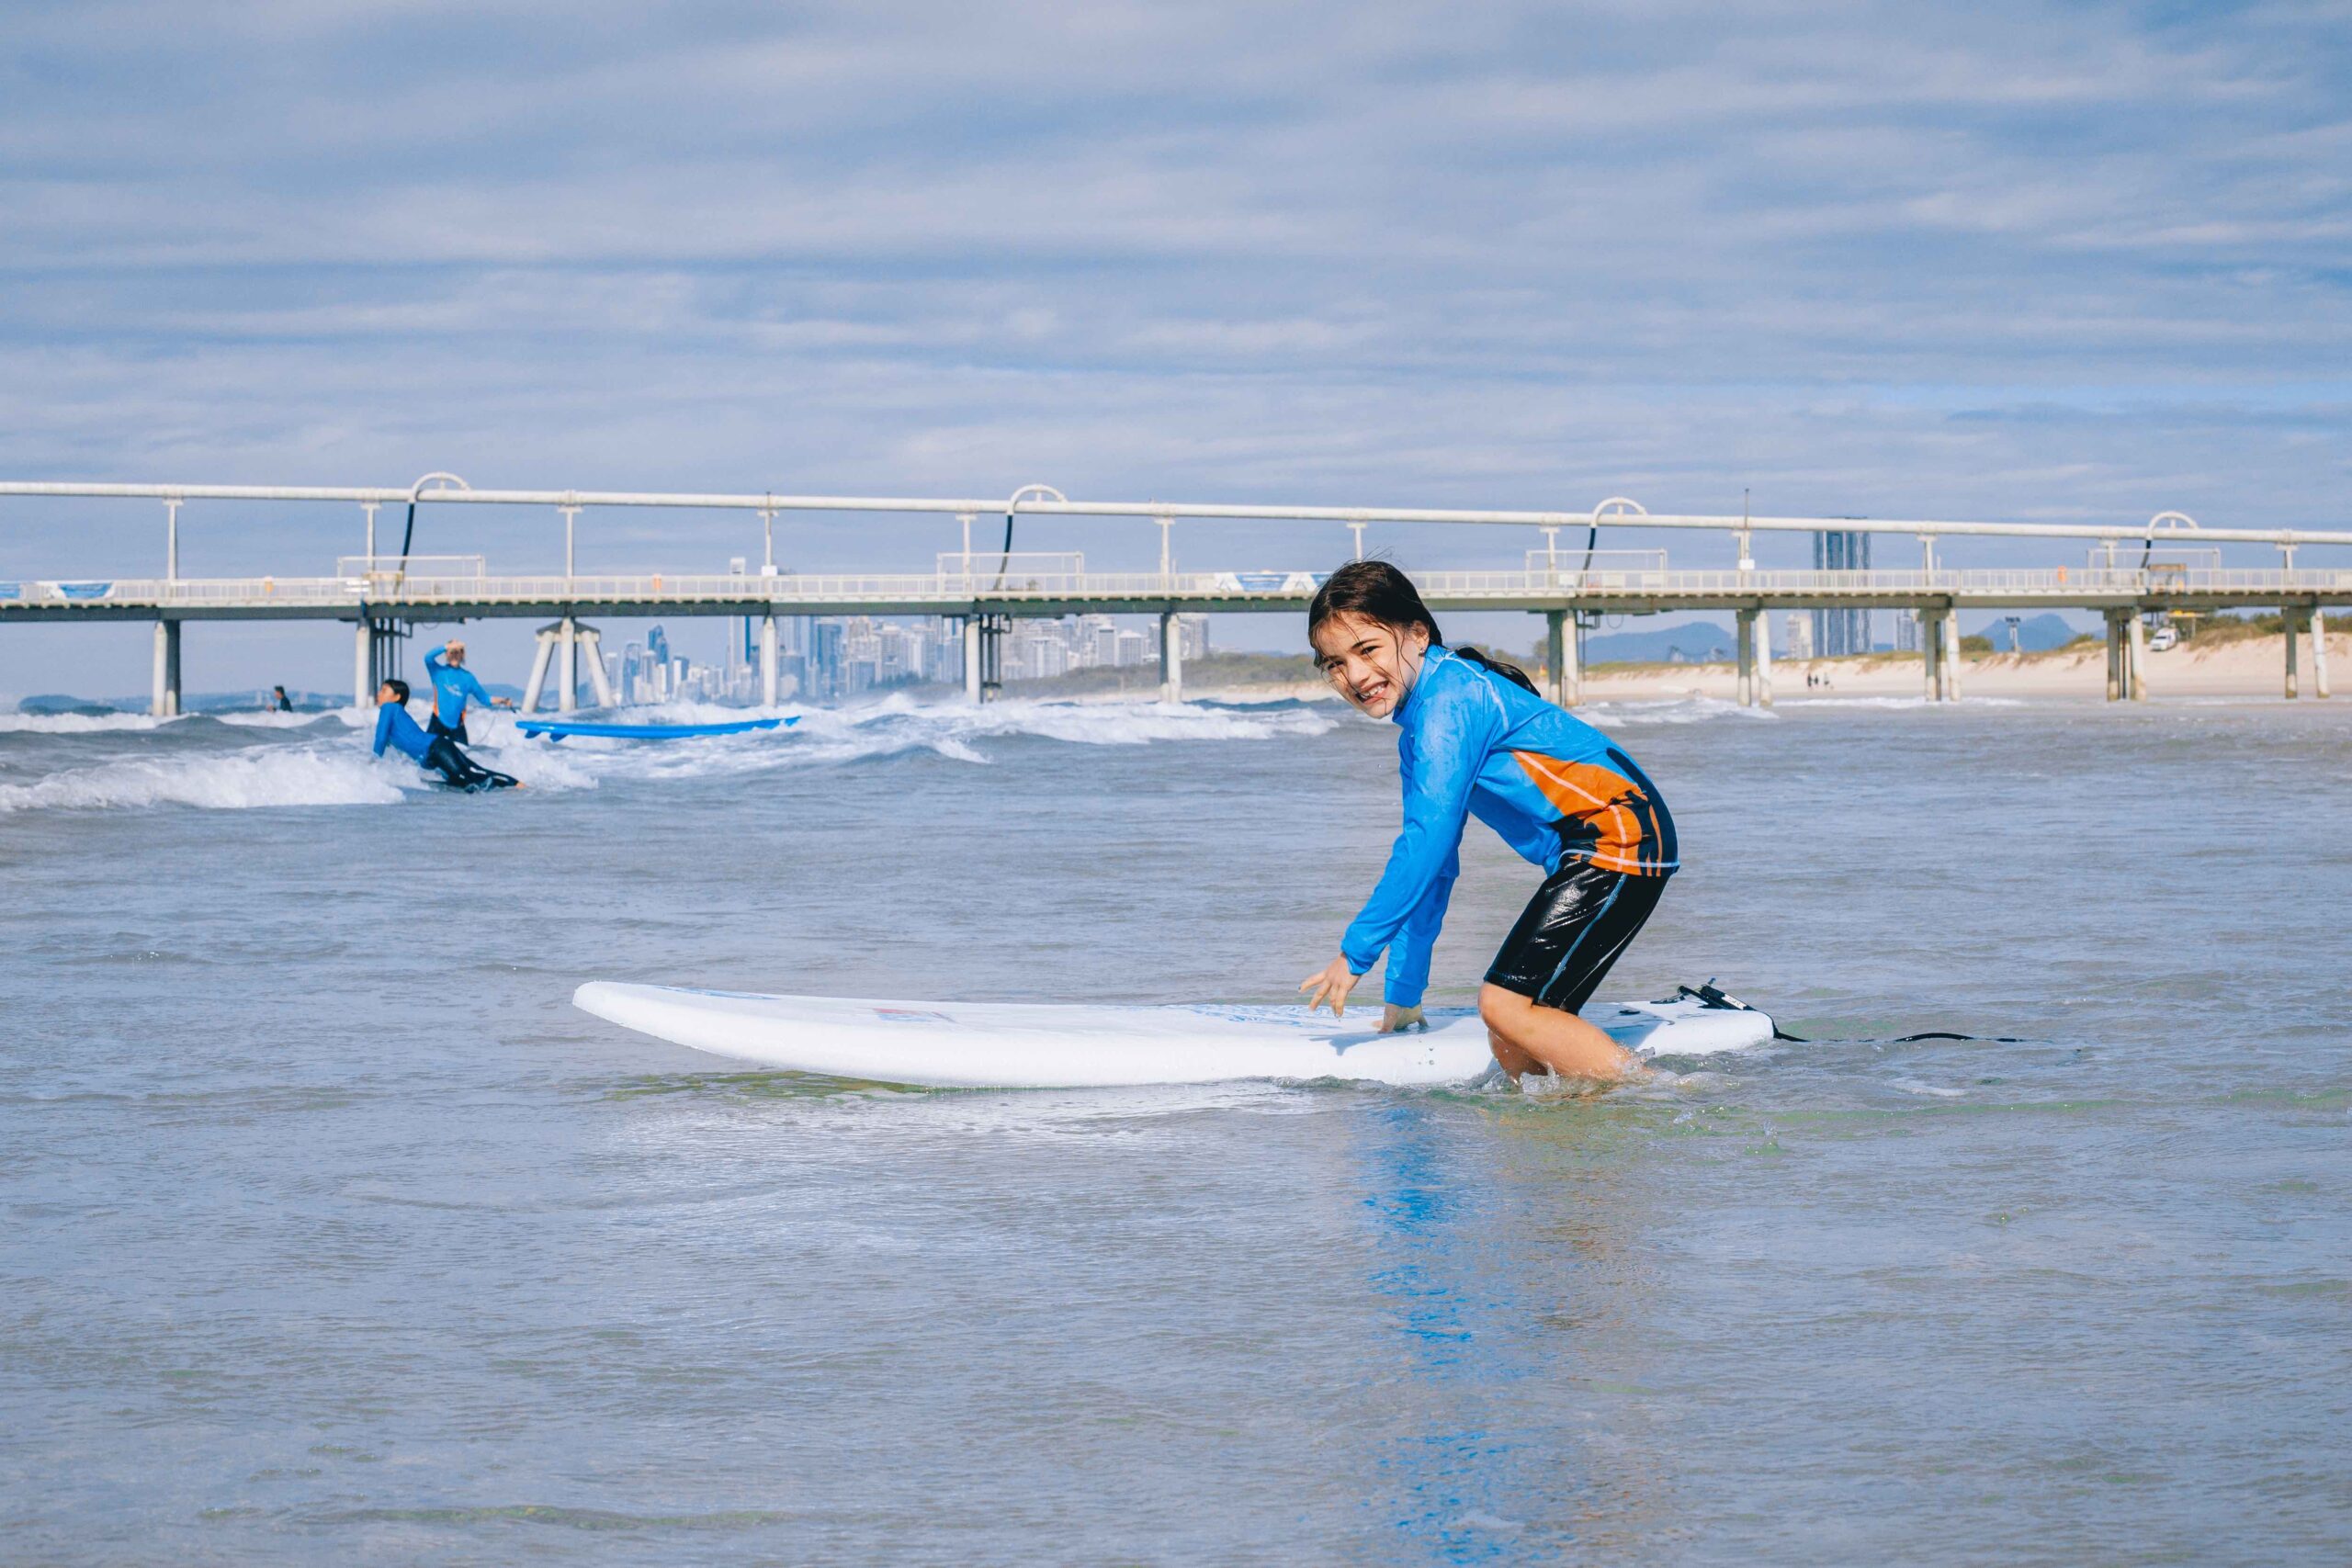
x=395, y=728
x=279, y=702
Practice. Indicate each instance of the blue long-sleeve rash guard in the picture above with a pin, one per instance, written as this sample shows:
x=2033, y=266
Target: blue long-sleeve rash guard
x=1476, y=743
x=452, y=684
x=396, y=729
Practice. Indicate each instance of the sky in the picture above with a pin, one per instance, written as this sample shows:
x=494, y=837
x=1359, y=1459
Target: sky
x=2005, y=260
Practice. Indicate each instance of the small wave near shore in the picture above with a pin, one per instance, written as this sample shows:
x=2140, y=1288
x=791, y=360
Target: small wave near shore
x=286, y=761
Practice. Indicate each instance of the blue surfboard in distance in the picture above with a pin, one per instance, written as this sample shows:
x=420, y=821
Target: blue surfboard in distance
x=559, y=729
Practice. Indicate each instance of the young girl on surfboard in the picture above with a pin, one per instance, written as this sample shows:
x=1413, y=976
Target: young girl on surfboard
x=1475, y=740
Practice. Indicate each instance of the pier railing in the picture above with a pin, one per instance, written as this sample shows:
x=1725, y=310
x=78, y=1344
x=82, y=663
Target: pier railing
x=394, y=590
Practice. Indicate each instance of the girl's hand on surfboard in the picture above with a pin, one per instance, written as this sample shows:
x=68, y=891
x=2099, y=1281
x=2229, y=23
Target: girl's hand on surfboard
x=1394, y=1019
x=1330, y=984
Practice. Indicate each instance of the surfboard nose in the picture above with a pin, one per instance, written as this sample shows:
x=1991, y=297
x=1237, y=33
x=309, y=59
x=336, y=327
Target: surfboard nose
x=600, y=997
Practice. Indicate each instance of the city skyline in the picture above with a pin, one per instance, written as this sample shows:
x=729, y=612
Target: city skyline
x=826, y=658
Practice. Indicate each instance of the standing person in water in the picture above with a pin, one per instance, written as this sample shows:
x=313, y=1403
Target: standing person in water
x=1476, y=741
x=396, y=729
x=453, y=683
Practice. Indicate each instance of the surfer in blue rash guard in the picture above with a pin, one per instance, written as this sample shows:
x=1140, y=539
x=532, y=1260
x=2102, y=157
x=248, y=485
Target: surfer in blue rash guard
x=396, y=729
x=452, y=685
x=1475, y=739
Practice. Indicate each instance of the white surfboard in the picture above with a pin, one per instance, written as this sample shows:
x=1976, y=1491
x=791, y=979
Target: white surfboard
x=1029, y=1045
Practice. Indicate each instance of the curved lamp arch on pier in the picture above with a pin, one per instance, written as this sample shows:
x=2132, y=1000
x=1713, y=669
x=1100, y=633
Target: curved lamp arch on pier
x=2164, y=523
x=1617, y=508
x=1012, y=510
x=408, y=535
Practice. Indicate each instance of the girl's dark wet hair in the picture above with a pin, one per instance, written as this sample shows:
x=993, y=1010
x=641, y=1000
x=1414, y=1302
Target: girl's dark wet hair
x=398, y=687
x=1377, y=591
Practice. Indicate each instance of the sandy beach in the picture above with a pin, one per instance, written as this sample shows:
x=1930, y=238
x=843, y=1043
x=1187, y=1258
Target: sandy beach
x=2249, y=667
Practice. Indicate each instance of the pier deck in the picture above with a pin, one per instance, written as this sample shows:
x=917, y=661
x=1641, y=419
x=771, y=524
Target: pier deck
x=379, y=594
x=931, y=593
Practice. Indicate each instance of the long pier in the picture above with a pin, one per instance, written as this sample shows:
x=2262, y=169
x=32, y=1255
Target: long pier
x=985, y=590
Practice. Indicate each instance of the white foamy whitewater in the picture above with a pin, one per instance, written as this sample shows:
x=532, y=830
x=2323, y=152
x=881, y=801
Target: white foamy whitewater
x=250, y=760
x=1030, y=1046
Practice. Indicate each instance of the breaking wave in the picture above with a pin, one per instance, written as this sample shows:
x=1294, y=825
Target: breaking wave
x=243, y=781
x=350, y=717
x=1895, y=702
x=894, y=726
x=293, y=769
x=1667, y=710
x=78, y=723
x=120, y=723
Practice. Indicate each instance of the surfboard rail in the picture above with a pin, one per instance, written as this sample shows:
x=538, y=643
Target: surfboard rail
x=562, y=728
x=1040, y=1045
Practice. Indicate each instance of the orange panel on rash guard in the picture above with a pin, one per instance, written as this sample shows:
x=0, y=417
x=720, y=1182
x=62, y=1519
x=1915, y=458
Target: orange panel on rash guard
x=1610, y=806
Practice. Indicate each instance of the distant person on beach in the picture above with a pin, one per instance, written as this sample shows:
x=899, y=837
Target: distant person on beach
x=452, y=685
x=279, y=702
x=438, y=753
x=1475, y=740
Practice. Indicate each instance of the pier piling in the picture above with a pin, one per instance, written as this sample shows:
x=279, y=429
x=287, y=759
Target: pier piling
x=567, y=690
x=376, y=658
x=166, y=701
x=2135, y=655
x=1746, y=638
x=592, y=643
x=538, y=679
x=1572, y=663
x=2114, y=656
x=992, y=630
x=971, y=659
x=2319, y=652
x=561, y=645
x=1172, y=658
x=2287, y=623
x=1556, y=654
x=769, y=674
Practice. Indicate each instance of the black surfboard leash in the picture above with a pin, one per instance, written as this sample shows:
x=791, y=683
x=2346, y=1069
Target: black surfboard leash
x=1714, y=996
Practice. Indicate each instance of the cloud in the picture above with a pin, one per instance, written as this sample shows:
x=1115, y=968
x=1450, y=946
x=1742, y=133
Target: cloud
x=2019, y=259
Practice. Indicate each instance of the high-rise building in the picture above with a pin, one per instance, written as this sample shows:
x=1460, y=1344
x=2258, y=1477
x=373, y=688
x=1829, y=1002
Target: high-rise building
x=861, y=656
x=943, y=650
x=824, y=657
x=1192, y=636
x=1093, y=640
x=1799, y=642
x=1840, y=632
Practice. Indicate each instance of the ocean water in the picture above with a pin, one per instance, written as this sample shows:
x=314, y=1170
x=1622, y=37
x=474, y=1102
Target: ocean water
x=329, y=1232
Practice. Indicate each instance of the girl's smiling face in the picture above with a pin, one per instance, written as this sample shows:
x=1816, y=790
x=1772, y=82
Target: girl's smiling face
x=1370, y=663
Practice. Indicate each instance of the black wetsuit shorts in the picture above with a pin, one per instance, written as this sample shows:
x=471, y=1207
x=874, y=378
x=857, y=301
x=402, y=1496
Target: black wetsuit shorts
x=455, y=732
x=459, y=770
x=1571, y=931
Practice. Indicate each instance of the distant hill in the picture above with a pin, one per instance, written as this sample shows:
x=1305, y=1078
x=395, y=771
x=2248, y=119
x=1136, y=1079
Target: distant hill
x=1702, y=641
x=246, y=701
x=2036, y=634
x=1695, y=643
x=59, y=702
